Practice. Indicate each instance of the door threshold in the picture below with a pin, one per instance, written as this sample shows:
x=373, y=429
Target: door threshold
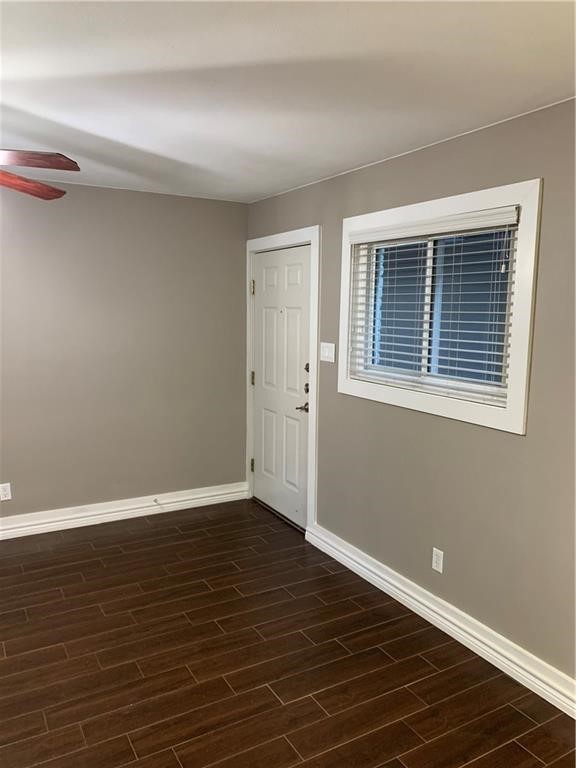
x=279, y=515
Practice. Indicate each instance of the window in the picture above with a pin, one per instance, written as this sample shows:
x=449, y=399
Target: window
x=436, y=305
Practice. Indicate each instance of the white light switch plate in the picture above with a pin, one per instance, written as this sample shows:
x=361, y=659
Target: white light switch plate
x=327, y=352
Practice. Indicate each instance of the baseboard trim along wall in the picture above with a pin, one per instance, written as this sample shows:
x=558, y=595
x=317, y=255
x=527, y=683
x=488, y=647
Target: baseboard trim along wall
x=537, y=675
x=107, y=511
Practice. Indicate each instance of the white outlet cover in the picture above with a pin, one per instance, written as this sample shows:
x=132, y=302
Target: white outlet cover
x=327, y=352
x=5, y=492
x=437, y=560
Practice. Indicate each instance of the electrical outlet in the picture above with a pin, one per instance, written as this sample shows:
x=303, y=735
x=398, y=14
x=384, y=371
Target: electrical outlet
x=5, y=492
x=437, y=560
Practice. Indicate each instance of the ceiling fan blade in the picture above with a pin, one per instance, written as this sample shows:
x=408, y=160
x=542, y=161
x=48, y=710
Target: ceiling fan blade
x=52, y=160
x=29, y=187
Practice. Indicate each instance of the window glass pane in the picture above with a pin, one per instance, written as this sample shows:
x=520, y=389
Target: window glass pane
x=399, y=293
x=470, y=306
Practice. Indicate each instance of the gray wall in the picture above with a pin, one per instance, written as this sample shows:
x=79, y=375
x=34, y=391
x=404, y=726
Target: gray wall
x=396, y=482
x=123, y=356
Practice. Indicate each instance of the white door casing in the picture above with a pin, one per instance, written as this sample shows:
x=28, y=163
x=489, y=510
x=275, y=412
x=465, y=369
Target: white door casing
x=281, y=309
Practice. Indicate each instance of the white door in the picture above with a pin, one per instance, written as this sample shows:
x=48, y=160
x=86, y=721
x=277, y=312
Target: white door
x=280, y=344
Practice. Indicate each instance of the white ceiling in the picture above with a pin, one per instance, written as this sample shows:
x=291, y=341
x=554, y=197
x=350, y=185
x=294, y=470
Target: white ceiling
x=240, y=101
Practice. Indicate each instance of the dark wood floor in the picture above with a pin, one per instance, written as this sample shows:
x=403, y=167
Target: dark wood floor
x=219, y=637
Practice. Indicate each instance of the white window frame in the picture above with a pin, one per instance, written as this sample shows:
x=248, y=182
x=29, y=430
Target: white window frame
x=393, y=223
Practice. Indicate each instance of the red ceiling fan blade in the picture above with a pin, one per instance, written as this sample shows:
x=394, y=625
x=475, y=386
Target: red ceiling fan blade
x=29, y=187
x=52, y=160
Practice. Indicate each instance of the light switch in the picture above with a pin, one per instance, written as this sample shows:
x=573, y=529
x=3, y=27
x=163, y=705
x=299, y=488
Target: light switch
x=327, y=352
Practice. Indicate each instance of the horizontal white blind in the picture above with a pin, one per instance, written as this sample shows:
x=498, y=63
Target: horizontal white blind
x=432, y=313
x=504, y=216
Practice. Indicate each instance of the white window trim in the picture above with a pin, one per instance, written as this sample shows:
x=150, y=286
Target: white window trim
x=382, y=225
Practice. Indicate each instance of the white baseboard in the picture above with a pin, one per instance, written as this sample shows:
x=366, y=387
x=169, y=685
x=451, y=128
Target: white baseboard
x=537, y=675
x=90, y=514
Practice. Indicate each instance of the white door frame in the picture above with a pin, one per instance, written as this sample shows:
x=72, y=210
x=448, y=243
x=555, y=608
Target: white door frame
x=307, y=236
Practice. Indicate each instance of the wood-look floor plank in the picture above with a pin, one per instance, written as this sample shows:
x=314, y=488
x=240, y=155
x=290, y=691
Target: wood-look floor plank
x=550, y=740
x=64, y=633
x=227, y=608
x=354, y=722
x=416, y=643
x=200, y=652
x=125, y=591
x=258, y=616
x=320, y=583
x=200, y=561
x=448, y=655
x=368, y=751
x=28, y=583
x=257, y=532
x=32, y=660
x=158, y=643
x=108, y=578
x=238, y=576
x=277, y=668
x=78, y=616
x=99, y=702
x=38, y=749
x=373, y=684
x=11, y=618
x=303, y=552
x=279, y=541
x=160, y=760
x=39, y=677
x=511, y=755
x=317, y=679
x=209, y=573
x=356, y=622
x=209, y=718
x=382, y=633
x=146, y=600
x=176, y=537
x=453, y=680
x=567, y=761
x=247, y=734
x=319, y=614
x=160, y=708
x=27, y=600
x=126, y=633
x=371, y=599
x=110, y=754
x=288, y=579
x=277, y=753
x=536, y=708
x=463, y=745
x=237, y=659
x=174, y=552
x=461, y=708
x=22, y=727
x=10, y=570
x=66, y=690
x=350, y=589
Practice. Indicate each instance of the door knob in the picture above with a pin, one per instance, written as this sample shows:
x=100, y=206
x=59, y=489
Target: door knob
x=304, y=408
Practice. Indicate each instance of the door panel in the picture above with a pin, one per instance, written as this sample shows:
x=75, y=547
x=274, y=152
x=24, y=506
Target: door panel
x=280, y=343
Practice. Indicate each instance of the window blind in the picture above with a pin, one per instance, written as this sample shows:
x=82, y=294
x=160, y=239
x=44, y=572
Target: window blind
x=432, y=312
